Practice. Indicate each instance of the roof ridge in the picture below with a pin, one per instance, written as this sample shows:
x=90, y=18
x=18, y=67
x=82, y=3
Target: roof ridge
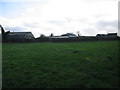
x=18, y=32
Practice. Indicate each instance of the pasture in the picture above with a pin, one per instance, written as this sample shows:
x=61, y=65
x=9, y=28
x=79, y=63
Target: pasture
x=60, y=65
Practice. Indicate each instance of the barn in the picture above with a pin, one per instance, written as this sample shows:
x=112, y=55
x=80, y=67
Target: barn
x=20, y=36
x=69, y=35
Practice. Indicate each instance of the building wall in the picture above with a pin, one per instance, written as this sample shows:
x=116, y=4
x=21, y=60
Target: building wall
x=29, y=36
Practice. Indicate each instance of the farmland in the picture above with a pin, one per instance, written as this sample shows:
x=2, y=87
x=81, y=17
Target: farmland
x=60, y=65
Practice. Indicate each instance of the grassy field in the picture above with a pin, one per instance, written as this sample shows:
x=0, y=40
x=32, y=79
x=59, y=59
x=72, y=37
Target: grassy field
x=61, y=65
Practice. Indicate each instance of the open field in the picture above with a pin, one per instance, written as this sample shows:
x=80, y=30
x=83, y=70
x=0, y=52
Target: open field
x=57, y=65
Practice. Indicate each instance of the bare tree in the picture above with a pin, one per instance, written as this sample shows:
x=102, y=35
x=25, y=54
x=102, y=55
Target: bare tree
x=2, y=29
x=78, y=33
x=42, y=36
x=4, y=34
x=51, y=35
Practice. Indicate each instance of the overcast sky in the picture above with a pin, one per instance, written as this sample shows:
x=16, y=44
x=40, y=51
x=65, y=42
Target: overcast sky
x=89, y=17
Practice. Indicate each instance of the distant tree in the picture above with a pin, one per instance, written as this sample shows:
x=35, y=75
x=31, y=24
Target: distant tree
x=78, y=33
x=4, y=34
x=51, y=35
x=2, y=30
x=42, y=36
x=7, y=32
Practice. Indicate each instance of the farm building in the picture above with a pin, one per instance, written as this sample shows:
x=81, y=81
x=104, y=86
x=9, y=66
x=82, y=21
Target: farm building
x=59, y=37
x=101, y=35
x=20, y=35
x=69, y=35
x=109, y=36
x=113, y=35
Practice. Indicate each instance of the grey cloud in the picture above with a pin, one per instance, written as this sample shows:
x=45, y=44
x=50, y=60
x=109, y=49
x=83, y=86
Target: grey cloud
x=32, y=25
x=99, y=0
x=101, y=25
x=14, y=29
x=65, y=20
x=112, y=30
x=106, y=23
x=69, y=19
x=56, y=22
x=47, y=28
x=90, y=31
x=82, y=20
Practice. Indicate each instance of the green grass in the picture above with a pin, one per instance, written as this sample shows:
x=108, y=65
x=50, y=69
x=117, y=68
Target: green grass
x=61, y=65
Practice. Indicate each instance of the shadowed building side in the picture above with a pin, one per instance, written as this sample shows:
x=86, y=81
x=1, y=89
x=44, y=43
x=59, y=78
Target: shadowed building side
x=109, y=36
x=112, y=35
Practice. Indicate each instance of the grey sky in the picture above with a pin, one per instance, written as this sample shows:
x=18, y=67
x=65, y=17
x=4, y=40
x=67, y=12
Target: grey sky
x=60, y=16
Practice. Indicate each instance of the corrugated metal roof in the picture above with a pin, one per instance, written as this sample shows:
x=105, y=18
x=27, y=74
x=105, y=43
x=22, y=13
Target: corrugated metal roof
x=68, y=34
x=19, y=33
